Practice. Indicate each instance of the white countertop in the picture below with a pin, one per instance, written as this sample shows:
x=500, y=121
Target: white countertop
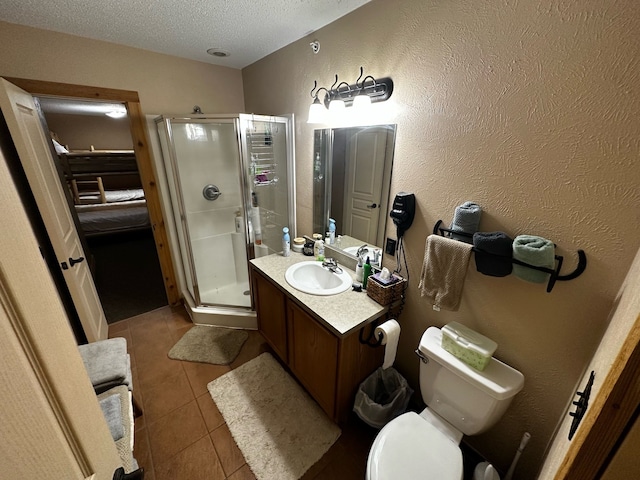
x=341, y=313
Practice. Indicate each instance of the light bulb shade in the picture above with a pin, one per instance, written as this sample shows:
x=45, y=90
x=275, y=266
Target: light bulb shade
x=317, y=112
x=362, y=101
x=336, y=106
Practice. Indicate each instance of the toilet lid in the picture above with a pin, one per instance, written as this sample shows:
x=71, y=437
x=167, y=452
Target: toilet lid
x=409, y=448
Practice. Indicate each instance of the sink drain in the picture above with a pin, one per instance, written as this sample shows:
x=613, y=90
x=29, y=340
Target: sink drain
x=246, y=292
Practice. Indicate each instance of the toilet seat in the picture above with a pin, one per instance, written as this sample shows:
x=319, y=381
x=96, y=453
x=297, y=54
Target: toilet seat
x=410, y=448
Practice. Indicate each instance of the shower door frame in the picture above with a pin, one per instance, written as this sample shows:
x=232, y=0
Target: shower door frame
x=288, y=122
x=238, y=120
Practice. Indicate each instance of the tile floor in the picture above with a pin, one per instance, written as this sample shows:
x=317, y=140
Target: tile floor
x=182, y=435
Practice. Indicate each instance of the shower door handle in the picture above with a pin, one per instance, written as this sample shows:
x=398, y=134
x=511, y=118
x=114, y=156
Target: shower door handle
x=211, y=192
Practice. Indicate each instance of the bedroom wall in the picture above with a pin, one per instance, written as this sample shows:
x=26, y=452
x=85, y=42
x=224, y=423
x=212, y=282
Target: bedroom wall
x=164, y=83
x=80, y=132
x=528, y=108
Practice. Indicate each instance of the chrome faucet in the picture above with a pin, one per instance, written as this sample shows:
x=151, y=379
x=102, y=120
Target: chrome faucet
x=331, y=265
x=361, y=250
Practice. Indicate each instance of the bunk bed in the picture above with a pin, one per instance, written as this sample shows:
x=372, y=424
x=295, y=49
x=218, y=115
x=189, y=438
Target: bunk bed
x=107, y=191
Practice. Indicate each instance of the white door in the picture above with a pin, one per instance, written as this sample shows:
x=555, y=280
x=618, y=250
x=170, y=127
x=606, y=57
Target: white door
x=50, y=420
x=35, y=154
x=363, y=183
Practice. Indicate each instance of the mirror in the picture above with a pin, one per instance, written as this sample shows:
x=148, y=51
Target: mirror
x=351, y=181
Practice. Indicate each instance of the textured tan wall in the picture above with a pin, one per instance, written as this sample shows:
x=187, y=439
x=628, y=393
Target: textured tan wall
x=607, y=362
x=79, y=132
x=528, y=108
x=164, y=83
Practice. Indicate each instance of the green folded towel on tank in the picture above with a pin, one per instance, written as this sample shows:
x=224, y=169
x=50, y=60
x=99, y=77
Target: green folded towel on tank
x=536, y=251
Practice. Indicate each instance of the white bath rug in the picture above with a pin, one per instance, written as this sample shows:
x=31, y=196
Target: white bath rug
x=280, y=430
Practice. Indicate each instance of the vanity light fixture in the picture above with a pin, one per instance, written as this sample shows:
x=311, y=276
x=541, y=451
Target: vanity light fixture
x=359, y=95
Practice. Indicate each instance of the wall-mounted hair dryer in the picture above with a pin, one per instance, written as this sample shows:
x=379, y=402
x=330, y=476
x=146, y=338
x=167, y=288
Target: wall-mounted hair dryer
x=403, y=211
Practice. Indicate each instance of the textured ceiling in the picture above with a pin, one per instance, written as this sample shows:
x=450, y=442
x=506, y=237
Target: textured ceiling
x=248, y=29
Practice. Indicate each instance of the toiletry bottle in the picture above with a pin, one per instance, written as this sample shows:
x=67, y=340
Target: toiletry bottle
x=366, y=271
x=286, y=242
x=320, y=255
x=332, y=231
x=359, y=270
x=239, y=222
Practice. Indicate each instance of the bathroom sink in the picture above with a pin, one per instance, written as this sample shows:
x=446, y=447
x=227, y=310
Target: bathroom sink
x=311, y=277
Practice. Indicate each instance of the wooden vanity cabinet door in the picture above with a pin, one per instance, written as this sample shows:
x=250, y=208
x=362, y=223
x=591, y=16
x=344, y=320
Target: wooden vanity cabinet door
x=270, y=305
x=313, y=356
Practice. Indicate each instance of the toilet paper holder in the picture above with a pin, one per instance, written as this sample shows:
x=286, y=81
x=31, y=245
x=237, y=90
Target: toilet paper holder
x=370, y=340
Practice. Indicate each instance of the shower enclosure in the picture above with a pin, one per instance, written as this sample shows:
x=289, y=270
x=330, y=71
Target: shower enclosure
x=231, y=182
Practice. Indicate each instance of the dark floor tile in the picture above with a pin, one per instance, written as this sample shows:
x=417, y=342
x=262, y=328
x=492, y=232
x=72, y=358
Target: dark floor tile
x=200, y=374
x=165, y=396
x=230, y=455
x=177, y=320
x=196, y=462
x=152, y=349
x=141, y=450
x=252, y=348
x=150, y=373
x=118, y=327
x=243, y=473
x=212, y=416
x=173, y=433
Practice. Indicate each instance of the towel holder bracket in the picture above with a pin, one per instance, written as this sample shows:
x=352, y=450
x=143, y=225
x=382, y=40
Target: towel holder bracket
x=554, y=274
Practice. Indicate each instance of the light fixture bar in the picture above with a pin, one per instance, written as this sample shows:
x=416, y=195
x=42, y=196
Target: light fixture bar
x=378, y=90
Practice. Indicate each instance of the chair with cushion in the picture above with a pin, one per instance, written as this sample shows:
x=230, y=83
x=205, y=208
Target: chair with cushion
x=109, y=368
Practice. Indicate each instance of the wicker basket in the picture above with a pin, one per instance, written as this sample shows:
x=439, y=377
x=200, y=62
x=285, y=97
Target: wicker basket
x=385, y=294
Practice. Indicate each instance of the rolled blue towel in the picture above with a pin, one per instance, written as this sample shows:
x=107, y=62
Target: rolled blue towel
x=466, y=218
x=493, y=251
x=536, y=251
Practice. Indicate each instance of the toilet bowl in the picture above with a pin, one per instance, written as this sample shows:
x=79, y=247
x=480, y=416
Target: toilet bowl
x=408, y=447
x=460, y=401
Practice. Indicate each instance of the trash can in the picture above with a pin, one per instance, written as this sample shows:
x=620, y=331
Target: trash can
x=381, y=397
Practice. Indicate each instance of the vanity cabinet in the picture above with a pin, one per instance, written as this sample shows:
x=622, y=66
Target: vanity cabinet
x=270, y=305
x=313, y=356
x=328, y=365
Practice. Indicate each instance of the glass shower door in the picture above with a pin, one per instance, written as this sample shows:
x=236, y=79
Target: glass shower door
x=267, y=147
x=208, y=177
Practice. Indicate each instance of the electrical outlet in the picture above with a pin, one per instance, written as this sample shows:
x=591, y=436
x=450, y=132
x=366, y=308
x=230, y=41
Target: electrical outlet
x=390, y=247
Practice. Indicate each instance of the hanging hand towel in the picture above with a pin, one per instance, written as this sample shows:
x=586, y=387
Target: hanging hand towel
x=466, y=218
x=443, y=271
x=493, y=251
x=536, y=251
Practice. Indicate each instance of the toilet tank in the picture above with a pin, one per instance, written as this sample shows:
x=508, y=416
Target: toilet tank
x=470, y=400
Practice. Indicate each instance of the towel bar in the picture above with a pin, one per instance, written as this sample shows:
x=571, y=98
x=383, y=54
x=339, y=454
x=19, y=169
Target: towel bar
x=555, y=276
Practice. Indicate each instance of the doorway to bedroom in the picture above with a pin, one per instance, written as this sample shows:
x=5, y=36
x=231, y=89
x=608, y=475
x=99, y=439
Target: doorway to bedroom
x=99, y=170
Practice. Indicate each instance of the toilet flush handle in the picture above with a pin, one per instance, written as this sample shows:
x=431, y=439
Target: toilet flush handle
x=421, y=355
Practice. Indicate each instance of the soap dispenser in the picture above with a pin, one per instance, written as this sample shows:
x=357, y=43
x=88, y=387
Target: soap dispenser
x=286, y=242
x=320, y=255
x=332, y=231
x=366, y=271
x=359, y=270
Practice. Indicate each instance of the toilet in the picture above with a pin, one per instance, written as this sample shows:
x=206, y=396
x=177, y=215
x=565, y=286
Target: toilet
x=460, y=401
